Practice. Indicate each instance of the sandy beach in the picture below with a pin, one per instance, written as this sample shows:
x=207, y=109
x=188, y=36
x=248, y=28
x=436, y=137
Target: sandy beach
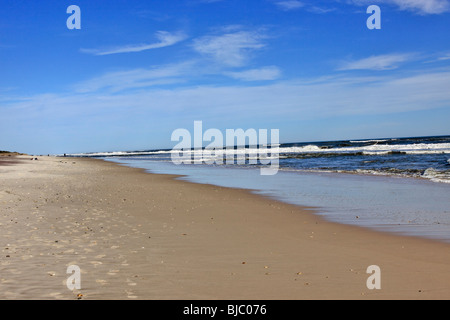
x=137, y=235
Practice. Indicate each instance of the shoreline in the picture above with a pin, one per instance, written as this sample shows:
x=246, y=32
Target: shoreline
x=139, y=235
x=311, y=210
x=367, y=207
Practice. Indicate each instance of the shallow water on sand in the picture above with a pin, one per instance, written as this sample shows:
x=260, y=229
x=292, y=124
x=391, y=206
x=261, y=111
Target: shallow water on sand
x=408, y=206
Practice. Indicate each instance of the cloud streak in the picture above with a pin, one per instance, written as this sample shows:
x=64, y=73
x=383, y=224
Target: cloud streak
x=165, y=38
x=422, y=7
x=261, y=74
x=377, y=63
x=135, y=78
x=298, y=99
x=231, y=48
x=290, y=5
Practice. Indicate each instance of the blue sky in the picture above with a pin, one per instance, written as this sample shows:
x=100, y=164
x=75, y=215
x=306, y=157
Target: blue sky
x=138, y=70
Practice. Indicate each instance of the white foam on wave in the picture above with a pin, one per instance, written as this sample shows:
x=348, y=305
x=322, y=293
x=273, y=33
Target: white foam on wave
x=436, y=176
x=375, y=149
x=429, y=174
x=368, y=150
x=375, y=153
x=369, y=141
x=117, y=153
x=374, y=172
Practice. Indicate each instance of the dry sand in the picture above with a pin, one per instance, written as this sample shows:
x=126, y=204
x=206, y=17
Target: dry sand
x=145, y=236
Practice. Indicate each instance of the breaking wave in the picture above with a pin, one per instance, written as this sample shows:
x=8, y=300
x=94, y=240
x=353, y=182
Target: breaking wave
x=425, y=158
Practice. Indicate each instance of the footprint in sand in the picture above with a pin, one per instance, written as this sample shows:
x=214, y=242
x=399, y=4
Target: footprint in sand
x=96, y=263
x=130, y=294
x=113, y=272
x=131, y=283
x=101, y=281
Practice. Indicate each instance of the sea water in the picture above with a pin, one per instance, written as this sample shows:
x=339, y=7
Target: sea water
x=400, y=185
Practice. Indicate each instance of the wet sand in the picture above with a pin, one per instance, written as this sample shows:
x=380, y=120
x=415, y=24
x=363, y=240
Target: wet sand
x=137, y=235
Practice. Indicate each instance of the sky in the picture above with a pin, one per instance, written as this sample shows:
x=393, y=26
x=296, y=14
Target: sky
x=137, y=70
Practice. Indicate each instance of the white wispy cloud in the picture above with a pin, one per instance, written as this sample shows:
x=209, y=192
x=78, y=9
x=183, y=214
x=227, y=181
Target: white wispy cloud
x=324, y=97
x=377, y=62
x=320, y=10
x=165, y=38
x=440, y=57
x=135, y=78
x=419, y=6
x=261, y=74
x=57, y=118
x=424, y=6
x=231, y=48
x=290, y=4
x=444, y=57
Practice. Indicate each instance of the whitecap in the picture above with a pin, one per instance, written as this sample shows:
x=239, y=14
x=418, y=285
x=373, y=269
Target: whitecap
x=436, y=176
x=367, y=141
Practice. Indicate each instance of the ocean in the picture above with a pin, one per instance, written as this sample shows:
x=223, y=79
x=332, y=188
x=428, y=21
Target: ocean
x=399, y=185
